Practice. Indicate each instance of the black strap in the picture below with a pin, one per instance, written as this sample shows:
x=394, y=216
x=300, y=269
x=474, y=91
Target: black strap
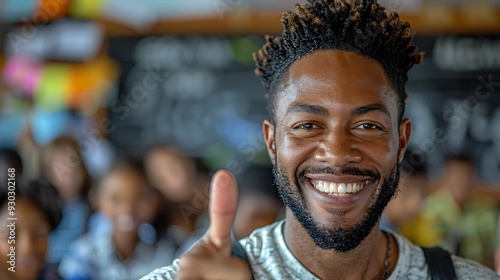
x=439, y=263
x=238, y=251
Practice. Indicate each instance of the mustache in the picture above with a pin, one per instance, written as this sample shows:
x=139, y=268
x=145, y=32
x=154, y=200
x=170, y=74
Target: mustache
x=349, y=170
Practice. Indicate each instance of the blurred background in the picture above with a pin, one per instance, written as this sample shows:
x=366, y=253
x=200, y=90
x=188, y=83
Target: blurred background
x=93, y=91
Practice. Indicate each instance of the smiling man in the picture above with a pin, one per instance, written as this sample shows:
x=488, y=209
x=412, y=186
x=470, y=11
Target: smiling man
x=336, y=86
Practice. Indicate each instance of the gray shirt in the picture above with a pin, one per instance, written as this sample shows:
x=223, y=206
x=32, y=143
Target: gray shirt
x=271, y=259
x=94, y=257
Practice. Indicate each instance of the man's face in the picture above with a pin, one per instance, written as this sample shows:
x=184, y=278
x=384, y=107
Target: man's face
x=335, y=144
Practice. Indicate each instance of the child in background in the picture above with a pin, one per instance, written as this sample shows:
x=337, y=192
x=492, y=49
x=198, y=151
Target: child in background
x=124, y=197
x=259, y=203
x=405, y=207
x=38, y=211
x=497, y=250
x=184, y=182
x=10, y=159
x=456, y=217
x=63, y=167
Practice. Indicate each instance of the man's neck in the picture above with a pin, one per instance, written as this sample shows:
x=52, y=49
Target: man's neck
x=364, y=262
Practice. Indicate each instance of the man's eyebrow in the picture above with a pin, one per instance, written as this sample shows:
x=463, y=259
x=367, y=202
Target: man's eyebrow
x=308, y=108
x=361, y=110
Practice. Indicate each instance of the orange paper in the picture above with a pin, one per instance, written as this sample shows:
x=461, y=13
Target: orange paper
x=48, y=10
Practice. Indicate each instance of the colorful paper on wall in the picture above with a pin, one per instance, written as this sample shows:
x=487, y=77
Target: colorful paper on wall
x=17, y=10
x=60, y=85
x=24, y=73
x=86, y=8
x=53, y=9
x=88, y=81
x=53, y=92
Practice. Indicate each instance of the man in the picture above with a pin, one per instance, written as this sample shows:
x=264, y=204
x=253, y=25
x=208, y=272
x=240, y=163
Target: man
x=336, y=82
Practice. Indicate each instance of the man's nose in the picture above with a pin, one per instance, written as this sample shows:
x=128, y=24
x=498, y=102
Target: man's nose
x=338, y=149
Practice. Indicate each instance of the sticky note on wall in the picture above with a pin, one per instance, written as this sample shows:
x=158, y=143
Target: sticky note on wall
x=81, y=81
x=53, y=93
x=88, y=81
x=24, y=73
x=50, y=10
x=86, y=8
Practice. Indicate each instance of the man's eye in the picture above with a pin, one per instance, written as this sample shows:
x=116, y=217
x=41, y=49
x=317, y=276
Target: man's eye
x=369, y=126
x=307, y=130
x=307, y=126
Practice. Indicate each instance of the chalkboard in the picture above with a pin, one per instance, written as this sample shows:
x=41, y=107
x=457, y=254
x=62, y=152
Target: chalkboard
x=200, y=93
x=455, y=102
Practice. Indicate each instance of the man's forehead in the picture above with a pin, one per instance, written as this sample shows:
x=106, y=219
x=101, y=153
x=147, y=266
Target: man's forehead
x=327, y=75
x=333, y=61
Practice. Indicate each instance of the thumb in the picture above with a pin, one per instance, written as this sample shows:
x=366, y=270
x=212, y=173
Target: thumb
x=222, y=209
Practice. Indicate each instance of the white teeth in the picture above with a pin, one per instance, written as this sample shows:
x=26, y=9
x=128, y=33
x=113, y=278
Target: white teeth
x=339, y=189
x=342, y=188
x=349, y=188
x=333, y=187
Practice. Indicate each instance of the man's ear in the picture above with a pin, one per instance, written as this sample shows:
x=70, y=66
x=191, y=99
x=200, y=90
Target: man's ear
x=268, y=131
x=404, y=137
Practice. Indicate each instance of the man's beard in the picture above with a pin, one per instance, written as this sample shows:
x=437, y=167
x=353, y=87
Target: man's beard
x=340, y=239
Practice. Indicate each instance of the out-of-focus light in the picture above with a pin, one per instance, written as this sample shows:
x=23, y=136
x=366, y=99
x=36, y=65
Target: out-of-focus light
x=243, y=49
x=48, y=125
x=16, y=10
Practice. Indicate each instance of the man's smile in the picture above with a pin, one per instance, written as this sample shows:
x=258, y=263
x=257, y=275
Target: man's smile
x=340, y=189
x=338, y=192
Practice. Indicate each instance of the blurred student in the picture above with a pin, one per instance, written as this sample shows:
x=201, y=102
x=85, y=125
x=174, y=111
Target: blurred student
x=125, y=198
x=9, y=158
x=497, y=250
x=183, y=181
x=37, y=211
x=457, y=218
x=259, y=203
x=406, y=205
x=63, y=167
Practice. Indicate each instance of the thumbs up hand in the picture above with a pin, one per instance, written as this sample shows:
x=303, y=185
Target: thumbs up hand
x=210, y=257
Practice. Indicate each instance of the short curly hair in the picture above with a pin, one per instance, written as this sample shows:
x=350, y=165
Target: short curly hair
x=364, y=28
x=40, y=193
